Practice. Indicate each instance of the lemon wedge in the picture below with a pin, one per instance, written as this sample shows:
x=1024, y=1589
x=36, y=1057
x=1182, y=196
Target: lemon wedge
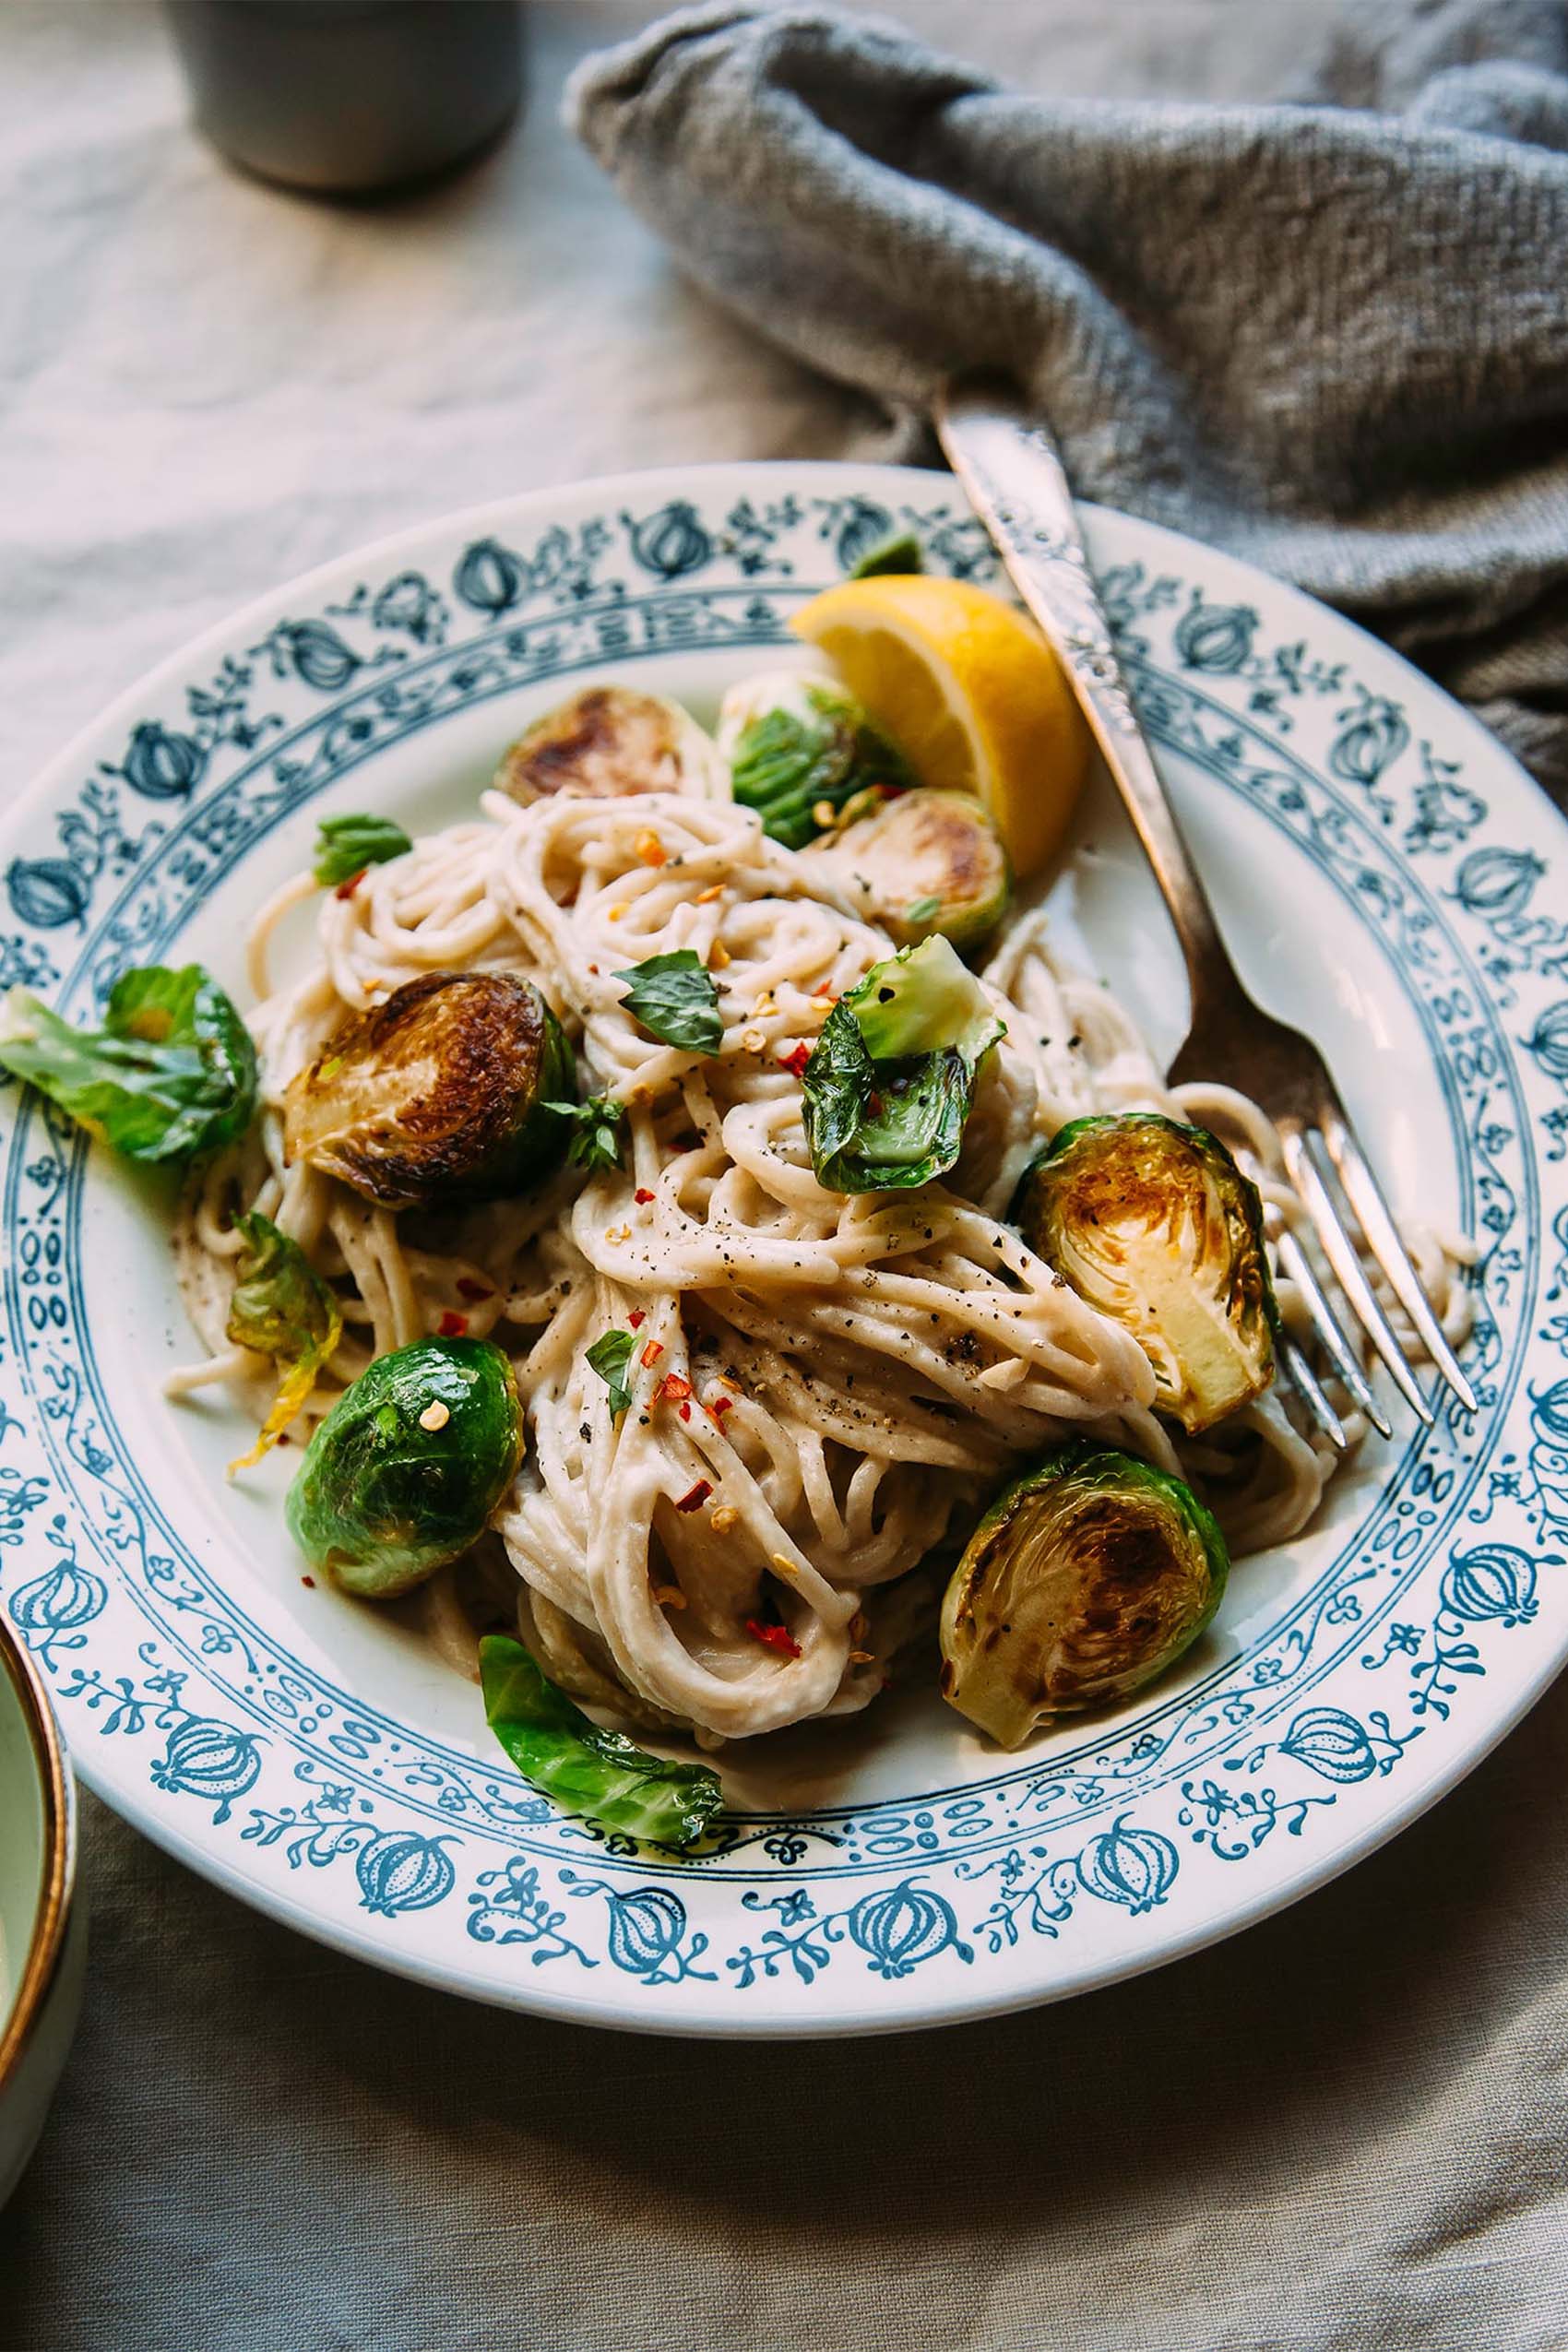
x=970, y=690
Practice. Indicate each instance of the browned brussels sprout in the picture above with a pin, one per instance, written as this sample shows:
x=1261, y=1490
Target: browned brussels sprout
x=922, y=862
x=441, y=1094
x=1153, y=1224
x=1087, y=1578
x=609, y=741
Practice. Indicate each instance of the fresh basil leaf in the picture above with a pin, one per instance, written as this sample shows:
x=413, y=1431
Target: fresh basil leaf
x=675, y=999
x=280, y=1307
x=890, y=1082
x=595, y=1131
x=170, y=1074
x=346, y=845
x=563, y=1752
x=609, y=1357
x=799, y=758
x=901, y=551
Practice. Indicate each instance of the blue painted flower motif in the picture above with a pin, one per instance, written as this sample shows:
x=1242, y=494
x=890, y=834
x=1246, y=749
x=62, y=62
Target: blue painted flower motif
x=50, y=1608
x=407, y=602
x=1217, y=637
x=1549, y=1042
x=864, y=525
x=1493, y=1581
x=1497, y=882
x=400, y=1870
x=490, y=577
x=646, y=1928
x=1332, y=1743
x=46, y=892
x=1372, y=740
x=672, y=543
x=162, y=766
x=317, y=653
x=902, y=1926
x=1133, y=1867
x=211, y=1761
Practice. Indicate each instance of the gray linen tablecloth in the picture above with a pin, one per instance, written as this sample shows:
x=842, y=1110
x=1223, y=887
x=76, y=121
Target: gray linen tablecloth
x=1345, y=2130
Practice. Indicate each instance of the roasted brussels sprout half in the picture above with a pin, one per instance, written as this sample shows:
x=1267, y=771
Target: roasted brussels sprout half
x=443, y=1093
x=798, y=747
x=606, y=742
x=919, y=863
x=406, y=1470
x=1086, y=1579
x=1153, y=1224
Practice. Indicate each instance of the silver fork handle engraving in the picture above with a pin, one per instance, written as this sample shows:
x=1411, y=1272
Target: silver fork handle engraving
x=1012, y=475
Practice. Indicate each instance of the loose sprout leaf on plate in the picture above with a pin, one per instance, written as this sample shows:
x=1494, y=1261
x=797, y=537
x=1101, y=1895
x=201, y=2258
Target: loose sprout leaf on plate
x=799, y=749
x=676, y=1000
x=609, y=1357
x=1153, y=1223
x=891, y=1080
x=171, y=1072
x=595, y=1131
x=280, y=1307
x=346, y=845
x=561, y=1750
x=901, y=551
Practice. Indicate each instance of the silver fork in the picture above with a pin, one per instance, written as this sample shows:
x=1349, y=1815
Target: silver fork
x=1014, y=477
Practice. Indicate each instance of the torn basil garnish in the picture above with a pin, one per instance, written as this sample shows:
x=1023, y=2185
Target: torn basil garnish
x=675, y=1000
x=561, y=1750
x=609, y=1357
x=346, y=845
x=891, y=1080
x=170, y=1074
x=595, y=1131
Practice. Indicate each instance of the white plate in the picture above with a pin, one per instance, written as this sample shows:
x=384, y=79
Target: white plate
x=1382, y=868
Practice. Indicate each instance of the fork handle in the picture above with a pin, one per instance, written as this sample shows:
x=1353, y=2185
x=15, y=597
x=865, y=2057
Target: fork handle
x=1012, y=475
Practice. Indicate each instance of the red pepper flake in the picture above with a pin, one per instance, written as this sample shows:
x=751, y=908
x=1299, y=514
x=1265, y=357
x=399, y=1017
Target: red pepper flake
x=696, y=1496
x=777, y=1638
x=346, y=889
x=874, y=1104
x=469, y=1288
x=452, y=1325
x=651, y=1354
x=675, y=1386
x=642, y=1196
x=722, y=1405
x=686, y=1412
x=637, y=1317
x=310, y=1581
x=796, y=1058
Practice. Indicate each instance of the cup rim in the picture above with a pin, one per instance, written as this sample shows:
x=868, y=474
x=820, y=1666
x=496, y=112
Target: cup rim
x=47, y=1944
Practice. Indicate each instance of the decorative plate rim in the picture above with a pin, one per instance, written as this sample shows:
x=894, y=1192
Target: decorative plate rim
x=907, y=1923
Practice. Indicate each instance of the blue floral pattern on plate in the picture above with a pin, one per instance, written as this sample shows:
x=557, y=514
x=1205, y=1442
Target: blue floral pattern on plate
x=1438, y=1617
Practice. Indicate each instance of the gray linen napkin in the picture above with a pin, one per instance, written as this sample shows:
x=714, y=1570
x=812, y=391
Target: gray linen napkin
x=1331, y=335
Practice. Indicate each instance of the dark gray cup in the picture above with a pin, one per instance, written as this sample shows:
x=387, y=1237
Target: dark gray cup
x=350, y=97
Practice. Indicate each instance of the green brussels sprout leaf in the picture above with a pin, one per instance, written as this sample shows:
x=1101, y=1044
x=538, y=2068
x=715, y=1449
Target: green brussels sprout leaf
x=1153, y=1223
x=280, y=1307
x=609, y=1357
x=595, y=1131
x=920, y=910
x=799, y=749
x=1088, y=1577
x=899, y=552
x=346, y=845
x=561, y=1750
x=170, y=1074
x=675, y=999
x=405, y=1471
x=891, y=1078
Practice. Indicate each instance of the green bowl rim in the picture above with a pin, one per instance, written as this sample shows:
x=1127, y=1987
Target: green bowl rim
x=48, y=1941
